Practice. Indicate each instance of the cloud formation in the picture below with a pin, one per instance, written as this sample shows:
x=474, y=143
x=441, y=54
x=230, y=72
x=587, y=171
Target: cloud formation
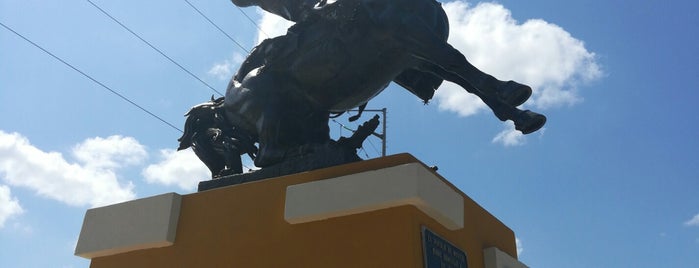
x=9, y=206
x=271, y=25
x=92, y=180
x=693, y=221
x=180, y=168
x=518, y=244
x=110, y=153
x=509, y=136
x=225, y=69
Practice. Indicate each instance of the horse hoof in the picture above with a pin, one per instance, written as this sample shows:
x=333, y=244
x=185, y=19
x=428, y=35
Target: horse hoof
x=528, y=122
x=513, y=93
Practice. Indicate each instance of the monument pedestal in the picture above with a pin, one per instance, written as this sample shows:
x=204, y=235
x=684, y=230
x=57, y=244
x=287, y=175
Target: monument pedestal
x=387, y=212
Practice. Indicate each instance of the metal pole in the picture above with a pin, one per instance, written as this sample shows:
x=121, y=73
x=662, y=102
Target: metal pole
x=383, y=144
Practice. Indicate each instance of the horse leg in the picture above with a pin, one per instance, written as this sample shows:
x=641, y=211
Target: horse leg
x=525, y=121
x=233, y=161
x=447, y=62
x=475, y=81
x=269, y=126
x=288, y=122
x=429, y=43
x=205, y=147
x=501, y=97
x=253, y=106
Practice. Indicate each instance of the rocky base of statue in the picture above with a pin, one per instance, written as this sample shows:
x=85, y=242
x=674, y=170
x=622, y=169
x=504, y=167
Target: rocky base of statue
x=305, y=158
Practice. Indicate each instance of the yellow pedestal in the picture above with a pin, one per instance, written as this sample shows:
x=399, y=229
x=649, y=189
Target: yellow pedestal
x=365, y=214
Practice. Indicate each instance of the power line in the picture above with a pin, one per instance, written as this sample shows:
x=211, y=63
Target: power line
x=96, y=81
x=253, y=22
x=219, y=28
x=343, y=126
x=90, y=77
x=373, y=146
x=365, y=154
x=164, y=55
x=153, y=47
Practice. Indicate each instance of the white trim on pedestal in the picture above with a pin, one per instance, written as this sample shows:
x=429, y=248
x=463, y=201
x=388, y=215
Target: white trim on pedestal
x=496, y=258
x=139, y=224
x=407, y=184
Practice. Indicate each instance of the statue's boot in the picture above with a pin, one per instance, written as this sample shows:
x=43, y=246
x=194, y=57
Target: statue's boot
x=528, y=121
x=513, y=93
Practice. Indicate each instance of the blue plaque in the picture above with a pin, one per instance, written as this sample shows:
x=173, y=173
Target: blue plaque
x=439, y=253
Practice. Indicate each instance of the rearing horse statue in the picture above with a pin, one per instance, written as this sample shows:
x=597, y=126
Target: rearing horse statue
x=338, y=56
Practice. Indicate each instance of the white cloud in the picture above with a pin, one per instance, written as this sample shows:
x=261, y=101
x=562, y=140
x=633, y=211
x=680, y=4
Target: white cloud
x=248, y=164
x=109, y=153
x=453, y=98
x=225, y=69
x=693, y=221
x=9, y=206
x=509, y=136
x=518, y=244
x=22, y=228
x=271, y=25
x=537, y=53
x=181, y=168
x=92, y=181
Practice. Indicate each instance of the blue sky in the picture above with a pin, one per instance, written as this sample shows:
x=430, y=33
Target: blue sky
x=612, y=180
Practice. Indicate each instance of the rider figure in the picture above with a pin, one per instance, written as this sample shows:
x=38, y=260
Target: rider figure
x=419, y=83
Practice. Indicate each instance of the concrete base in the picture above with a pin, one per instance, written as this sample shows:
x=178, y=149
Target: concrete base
x=134, y=225
x=364, y=214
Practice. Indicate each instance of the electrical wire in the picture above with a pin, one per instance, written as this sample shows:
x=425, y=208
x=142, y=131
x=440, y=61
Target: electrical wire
x=91, y=78
x=373, y=146
x=365, y=154
x=96, y=81
x=252, y=21
x=152, y=46
x=343, y=126
x=162, y=54
x=219, y=28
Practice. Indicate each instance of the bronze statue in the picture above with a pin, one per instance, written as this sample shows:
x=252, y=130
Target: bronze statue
x=338, y=56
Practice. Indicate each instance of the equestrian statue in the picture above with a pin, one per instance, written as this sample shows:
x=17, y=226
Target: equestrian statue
x=338, y=56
